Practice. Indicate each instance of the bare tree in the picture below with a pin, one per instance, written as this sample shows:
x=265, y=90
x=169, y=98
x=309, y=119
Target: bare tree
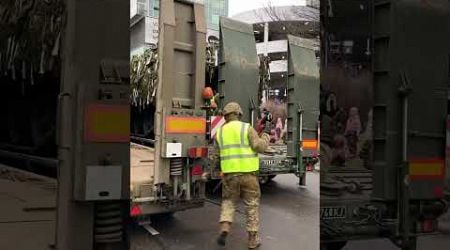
x=309, y=15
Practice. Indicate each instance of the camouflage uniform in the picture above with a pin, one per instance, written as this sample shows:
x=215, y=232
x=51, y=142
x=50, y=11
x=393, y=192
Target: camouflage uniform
x=245, y=185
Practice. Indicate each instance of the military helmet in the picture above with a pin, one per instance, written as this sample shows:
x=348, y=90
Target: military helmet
x=232, y=107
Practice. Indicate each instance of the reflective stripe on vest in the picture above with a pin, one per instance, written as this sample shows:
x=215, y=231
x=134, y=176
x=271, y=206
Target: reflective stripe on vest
x=236, y=155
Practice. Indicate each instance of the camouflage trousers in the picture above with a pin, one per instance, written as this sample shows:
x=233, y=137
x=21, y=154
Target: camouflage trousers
x=245, y=186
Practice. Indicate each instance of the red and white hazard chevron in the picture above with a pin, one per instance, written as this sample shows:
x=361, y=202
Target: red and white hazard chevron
x=216, y=123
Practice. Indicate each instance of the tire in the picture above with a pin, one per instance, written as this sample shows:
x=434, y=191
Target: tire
x=264, y=180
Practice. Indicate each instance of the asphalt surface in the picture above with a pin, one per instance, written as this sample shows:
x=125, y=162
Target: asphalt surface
x=435, y=242
x=289, y=220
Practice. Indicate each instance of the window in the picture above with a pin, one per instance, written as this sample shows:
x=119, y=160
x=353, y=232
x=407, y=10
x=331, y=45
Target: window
x=215, y=19
x=154, y=8
x=142, y=7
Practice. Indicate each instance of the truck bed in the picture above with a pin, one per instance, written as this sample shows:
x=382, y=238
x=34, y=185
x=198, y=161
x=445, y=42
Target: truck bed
x=27, y=210
x=141, y=170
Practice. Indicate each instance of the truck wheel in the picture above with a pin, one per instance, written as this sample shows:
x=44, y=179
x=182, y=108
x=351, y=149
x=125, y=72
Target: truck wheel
x=263, y=180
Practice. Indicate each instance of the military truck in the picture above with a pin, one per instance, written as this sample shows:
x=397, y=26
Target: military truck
x=240, y=80
x=166, y=169
x=384, y=90
x=236, y=41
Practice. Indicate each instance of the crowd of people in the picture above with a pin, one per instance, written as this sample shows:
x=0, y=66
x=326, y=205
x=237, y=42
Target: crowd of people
x=343, y=132
x=279, y=128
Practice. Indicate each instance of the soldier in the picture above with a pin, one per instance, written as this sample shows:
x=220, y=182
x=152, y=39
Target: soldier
x=352, y=131
x=237, y=146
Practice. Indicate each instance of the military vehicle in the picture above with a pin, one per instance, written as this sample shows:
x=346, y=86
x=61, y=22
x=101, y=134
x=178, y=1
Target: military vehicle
x=236, y=41
x=166, y=157
x=241, y=78
x=384, y=87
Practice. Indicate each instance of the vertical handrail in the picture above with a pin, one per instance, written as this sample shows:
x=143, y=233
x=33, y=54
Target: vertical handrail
x=300, y=139
x=403, y=171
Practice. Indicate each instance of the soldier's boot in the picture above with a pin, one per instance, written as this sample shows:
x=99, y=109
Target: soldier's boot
x=224, y=231
x=254, y=240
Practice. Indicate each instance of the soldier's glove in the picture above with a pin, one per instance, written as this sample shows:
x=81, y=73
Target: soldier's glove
x=268, y=127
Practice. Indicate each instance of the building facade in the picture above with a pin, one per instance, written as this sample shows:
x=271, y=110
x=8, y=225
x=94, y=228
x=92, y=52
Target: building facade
x=144, y=16
x=271, y=26
x=313, y=4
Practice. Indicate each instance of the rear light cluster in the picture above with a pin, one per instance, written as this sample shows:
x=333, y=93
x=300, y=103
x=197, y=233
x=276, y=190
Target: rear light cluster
x=438, y=192
x=135, y=211
x=195, y=153
x=198, y=152
x=197, y=170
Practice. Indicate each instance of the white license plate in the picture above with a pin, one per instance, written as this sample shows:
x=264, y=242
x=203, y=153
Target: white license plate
x=272, y=162
x=333, y=212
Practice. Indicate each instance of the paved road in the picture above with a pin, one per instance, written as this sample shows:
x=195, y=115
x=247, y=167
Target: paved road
x=289, y=216
x=438, y=242
x=435, y=242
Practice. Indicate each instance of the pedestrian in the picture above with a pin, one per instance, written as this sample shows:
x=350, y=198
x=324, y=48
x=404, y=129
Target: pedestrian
x=237, y=147
x=353, y=131
x=279, y=131
x=353, y=122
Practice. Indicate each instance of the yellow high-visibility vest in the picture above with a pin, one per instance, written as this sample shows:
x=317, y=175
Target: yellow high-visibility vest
x=236, y=155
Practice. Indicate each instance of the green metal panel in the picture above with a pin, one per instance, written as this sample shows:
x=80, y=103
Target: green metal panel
x=410, y=40
x=94, y=71
x=238, y=71
x=303, y=92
